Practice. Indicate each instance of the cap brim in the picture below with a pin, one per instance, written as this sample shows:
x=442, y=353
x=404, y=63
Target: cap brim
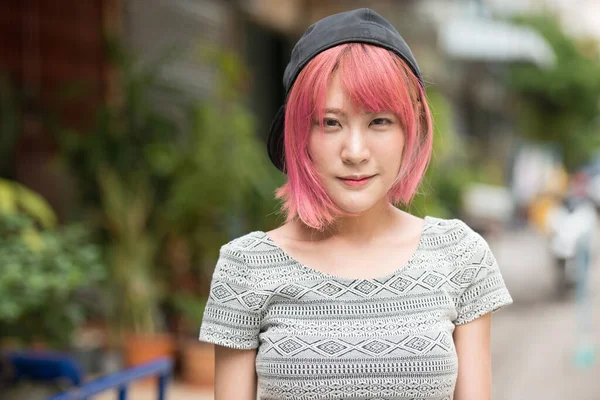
x=275, y=140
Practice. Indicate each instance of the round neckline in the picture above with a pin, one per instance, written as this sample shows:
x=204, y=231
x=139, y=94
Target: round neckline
x=323, y=274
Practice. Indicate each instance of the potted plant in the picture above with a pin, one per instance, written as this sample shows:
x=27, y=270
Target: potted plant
x=219, y=175
x=48, y=276
x=45, y=271
x=127, y=207
x=121, y=192
x=197, y=358
x=220, y=179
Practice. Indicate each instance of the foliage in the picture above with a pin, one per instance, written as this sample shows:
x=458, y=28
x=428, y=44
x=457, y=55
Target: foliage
x=169, y=189
x=125, y=128
x=43, y=270
x=449, y=172
x=15, y=198
x=113, y=167
x=191, y=307
x=559, y=104
x=127, y=206
x=219, y=172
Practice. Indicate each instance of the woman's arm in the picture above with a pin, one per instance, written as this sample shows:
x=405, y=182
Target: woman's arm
x=235, y=374
x=472, y=342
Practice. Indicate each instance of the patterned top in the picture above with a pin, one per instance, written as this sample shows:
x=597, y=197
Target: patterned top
x=325, y=337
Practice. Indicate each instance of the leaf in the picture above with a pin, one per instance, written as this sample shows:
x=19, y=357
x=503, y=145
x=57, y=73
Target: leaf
x=33, y=239
x=15, y=194
x=8, y=198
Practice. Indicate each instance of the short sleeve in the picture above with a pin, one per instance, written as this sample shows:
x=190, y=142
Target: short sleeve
x=485, y=290
x=232, y=315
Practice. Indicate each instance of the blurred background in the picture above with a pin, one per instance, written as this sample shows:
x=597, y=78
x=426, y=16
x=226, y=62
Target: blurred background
x=132, y=147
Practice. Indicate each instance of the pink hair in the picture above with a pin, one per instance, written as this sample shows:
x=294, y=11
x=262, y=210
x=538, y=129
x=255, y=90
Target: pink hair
x=374, y=78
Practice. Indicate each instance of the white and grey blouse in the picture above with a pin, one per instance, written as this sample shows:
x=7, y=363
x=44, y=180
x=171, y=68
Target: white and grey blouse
x=325, y=337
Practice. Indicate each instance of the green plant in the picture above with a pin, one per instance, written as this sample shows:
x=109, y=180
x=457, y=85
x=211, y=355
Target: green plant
x=191, y=308
x=121, y=191
x=16, y=198
x=127, y=206
x=45, y=271
x=167, y=195
x=559, y=104
x=449, y=172
x=125, y=129
x=220, y=175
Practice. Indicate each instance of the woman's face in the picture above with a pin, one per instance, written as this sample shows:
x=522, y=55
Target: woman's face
x=358, y=154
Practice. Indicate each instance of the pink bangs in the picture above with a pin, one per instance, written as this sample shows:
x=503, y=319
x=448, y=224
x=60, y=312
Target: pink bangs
x=376, y=80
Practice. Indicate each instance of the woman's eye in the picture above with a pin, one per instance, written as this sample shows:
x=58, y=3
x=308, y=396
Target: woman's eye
x=382, y=121
x=330, y=122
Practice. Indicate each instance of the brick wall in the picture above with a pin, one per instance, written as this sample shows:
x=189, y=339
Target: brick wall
x=44, y=47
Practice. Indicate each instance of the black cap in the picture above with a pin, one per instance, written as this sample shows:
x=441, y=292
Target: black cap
x=363, y=26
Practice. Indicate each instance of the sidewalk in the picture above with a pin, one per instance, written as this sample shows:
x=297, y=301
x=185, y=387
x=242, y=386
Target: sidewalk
x=526, y=265
x=534, y=340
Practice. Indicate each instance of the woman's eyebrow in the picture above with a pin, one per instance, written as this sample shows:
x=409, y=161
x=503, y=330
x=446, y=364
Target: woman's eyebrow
x=335, y=111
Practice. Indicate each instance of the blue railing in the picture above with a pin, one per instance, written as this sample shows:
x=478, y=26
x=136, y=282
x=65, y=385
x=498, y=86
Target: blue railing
x=119, y=381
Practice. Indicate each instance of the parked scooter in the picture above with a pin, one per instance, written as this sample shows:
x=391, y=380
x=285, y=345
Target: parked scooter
x=572, y=226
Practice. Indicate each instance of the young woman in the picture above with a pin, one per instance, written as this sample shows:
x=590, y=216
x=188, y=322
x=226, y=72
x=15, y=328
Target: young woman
x=352, y=298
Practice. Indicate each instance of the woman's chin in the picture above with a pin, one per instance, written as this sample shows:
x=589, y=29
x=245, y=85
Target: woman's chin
x=357, y=207
x=354, y=201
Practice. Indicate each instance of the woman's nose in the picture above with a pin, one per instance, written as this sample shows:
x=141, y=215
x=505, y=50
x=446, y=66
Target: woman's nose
x=356, y=149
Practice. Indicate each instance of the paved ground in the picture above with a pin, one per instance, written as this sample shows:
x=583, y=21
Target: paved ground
x=533, y=341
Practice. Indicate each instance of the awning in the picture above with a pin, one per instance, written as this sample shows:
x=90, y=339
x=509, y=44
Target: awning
x=495, y=41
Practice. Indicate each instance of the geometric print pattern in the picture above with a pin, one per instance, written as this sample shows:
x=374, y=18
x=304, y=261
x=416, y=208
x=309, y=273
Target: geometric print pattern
x=336, y=347
x=319, y=336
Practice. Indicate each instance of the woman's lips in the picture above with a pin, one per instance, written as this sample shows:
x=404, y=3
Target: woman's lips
x=356, y=182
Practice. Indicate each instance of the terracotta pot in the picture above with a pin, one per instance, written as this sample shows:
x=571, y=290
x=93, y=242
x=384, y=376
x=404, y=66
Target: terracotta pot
x=198, y=363
x=140, y=349
x=38, y=344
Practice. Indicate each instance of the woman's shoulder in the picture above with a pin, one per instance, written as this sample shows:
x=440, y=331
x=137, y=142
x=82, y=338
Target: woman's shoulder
x=447, y=225
x=452, y=235
x=254, y=242
x=253, y=248
x=242, y=260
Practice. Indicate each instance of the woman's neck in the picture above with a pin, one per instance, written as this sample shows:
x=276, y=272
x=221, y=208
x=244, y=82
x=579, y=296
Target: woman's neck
x=378, y=221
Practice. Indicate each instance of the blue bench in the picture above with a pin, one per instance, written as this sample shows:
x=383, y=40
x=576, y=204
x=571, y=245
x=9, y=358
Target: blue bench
x=43, y=366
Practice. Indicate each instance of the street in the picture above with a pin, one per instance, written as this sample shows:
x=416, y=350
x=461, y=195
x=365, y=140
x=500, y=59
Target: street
x=534, y=340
